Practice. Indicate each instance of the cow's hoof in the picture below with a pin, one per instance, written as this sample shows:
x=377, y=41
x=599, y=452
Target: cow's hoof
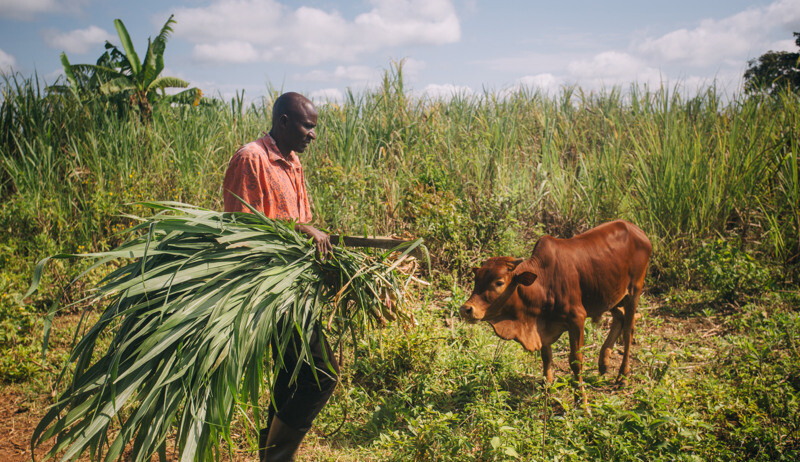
x=583, y=404
x=602, y=369
x=622, y=382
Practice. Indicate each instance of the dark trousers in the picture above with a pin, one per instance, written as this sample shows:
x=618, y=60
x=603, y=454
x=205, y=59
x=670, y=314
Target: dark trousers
x=297, y=404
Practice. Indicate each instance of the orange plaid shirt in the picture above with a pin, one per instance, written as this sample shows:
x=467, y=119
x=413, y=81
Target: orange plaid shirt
x=260, y=175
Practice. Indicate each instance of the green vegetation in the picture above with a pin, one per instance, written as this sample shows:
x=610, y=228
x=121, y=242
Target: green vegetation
x=119, y=77
x=774, y=71
x=190, y=322
x=714, y=184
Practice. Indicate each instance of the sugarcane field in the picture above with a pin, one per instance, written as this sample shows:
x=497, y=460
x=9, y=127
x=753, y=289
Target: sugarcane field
x=522, y=275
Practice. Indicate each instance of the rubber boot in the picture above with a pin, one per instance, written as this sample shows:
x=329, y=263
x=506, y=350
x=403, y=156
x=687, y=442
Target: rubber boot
x=282, y=442
x=263, y=434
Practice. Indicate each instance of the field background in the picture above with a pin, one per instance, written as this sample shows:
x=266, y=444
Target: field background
x=712, y=181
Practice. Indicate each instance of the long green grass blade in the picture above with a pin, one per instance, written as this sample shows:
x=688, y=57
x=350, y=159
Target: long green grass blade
x=191, y=314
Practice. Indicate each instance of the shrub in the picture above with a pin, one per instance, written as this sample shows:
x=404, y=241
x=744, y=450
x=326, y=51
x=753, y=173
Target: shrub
x=726, y=268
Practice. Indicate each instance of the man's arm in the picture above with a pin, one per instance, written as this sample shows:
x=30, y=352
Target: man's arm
x=321, y=240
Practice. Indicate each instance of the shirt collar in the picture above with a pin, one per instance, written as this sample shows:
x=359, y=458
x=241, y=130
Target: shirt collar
x=274, y=153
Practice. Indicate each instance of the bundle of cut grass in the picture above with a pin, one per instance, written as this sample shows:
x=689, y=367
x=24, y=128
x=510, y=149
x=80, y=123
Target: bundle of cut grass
x=191, y=318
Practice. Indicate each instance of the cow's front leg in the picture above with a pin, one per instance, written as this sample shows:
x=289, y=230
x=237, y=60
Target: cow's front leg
x=576, y=357
x=547, y=364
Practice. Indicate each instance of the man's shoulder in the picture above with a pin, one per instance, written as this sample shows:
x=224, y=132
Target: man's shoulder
x=253, y=150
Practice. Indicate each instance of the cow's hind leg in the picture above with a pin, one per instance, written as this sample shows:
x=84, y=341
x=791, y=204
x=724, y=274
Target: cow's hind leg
x=618, y=321
x=627, y=334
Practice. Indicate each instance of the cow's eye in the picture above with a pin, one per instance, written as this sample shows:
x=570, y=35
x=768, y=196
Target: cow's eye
x=499, y=283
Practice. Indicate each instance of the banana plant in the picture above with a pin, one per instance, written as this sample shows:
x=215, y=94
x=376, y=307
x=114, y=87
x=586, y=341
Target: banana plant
x=120, y=73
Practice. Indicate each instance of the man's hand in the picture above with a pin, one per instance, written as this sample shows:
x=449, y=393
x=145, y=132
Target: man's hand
x=321, y=240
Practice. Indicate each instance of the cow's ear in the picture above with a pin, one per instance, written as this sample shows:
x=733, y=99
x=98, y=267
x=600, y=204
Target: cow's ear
x=525, y=278
x=475, y=270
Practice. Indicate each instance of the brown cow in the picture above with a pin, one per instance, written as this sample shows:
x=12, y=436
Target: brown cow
x=565, y=281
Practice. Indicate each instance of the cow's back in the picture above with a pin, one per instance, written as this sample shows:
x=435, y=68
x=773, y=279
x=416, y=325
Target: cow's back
x=596, y=268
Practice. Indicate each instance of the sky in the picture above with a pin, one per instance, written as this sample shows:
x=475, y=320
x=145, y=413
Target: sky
x=465, y=47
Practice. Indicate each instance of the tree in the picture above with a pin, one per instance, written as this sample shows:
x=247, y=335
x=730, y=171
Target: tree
x=774, y=71
x=119, y=73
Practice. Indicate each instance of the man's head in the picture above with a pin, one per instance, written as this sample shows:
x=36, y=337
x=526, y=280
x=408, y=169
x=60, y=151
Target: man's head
x=293, y=120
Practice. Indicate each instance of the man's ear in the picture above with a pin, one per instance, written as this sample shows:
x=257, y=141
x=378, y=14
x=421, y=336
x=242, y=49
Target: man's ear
x=525, y=278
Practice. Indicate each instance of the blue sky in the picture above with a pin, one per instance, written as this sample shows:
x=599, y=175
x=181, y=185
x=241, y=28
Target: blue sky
x=322, y=48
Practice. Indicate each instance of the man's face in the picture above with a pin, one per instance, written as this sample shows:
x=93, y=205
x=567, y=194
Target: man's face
x=299, y=127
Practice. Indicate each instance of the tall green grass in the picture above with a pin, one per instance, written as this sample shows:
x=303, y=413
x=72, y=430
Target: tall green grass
x=474, y=175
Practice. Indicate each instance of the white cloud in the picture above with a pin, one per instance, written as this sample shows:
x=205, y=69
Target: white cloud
x=76, y=41
x=783, y=45
x=546, y=83
x=412, y=68
x=274, y=32
x=25, y=9
x=613, y=67
x=726, y=82
x=714, y=52
x=233, y=51
x=7, y=61
x=602, y=71
x=428, y=22
x=729, y=39
x=351, y=74
x=228, y=91
x=327, y=95
x=446, y=92
x=527, y=62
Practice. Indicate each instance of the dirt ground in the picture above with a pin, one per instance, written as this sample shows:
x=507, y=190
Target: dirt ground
x=18, y=418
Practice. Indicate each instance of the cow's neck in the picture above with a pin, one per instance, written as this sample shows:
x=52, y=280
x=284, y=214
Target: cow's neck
x=516, y=323
x=521, y=329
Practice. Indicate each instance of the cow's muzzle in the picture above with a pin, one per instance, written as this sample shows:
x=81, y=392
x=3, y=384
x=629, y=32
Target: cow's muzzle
x=467, y=313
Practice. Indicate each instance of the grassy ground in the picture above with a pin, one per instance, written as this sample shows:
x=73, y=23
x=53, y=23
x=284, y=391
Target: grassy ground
x=716, y=373
x=718, y=384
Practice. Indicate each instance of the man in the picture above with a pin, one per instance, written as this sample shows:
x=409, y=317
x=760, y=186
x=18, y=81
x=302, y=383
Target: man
x=268, y=175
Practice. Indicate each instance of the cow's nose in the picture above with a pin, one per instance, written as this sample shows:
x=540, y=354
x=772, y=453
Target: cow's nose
x=465, y=311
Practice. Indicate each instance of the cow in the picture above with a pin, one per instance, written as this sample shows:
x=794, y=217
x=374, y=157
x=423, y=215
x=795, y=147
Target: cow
x=563, y=282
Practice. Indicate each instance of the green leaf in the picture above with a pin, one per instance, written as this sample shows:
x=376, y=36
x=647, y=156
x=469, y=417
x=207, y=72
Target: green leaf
x=167, y=82
x=127, y=45
x=68, y=73
x=154, y=58
x=118, y=85
x=192, y=310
